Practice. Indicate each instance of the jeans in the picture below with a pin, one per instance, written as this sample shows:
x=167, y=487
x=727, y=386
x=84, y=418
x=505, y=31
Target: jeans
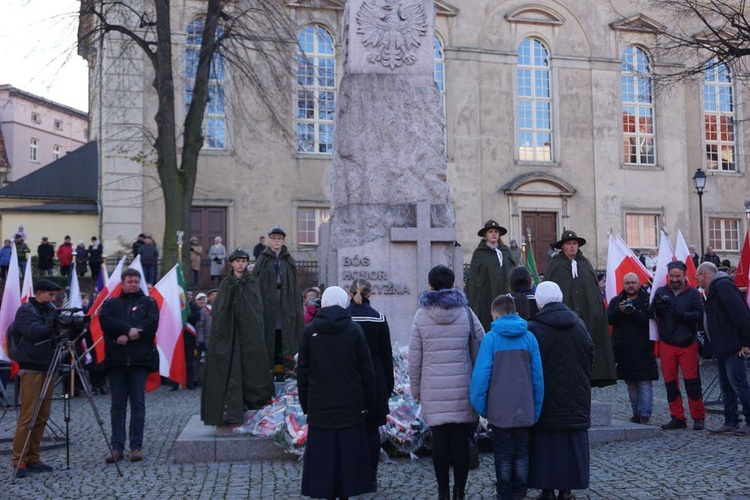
x=641, y=394
x=127, y=384
x=734, y=386
x=149, y=271
x=450, y=441
x=511, y=461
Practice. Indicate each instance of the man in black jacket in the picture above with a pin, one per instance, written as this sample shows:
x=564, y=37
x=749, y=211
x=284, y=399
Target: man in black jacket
x=45, y=253
x=32, y=346
x=678, y=309
x=129, y=323
x=727, y=324
x=634, y=351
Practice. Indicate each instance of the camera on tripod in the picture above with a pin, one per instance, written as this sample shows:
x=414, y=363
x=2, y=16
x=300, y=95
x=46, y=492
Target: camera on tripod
x=68, y=322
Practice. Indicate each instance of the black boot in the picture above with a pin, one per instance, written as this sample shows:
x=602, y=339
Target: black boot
x=444, y=494
x=458, y=494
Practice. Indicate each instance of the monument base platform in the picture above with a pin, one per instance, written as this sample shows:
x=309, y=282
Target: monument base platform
x=604, y=429
x=199, y=443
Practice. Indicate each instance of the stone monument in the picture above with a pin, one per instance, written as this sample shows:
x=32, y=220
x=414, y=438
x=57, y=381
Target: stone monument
x=391, y=218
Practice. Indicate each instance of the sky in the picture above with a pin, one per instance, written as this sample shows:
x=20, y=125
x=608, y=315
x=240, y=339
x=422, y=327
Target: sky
x=38, y=51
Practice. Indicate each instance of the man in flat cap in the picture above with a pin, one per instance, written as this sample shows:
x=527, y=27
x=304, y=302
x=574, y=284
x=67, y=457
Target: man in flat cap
x=237, y=375
x=32, y=346
x=576, y=277
x=283, y=317
x=491, y=264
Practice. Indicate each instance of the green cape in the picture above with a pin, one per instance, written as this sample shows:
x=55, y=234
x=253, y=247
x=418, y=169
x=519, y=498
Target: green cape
x=292, y=313
x=237, y=375
x=583, y=296
x=487, y=280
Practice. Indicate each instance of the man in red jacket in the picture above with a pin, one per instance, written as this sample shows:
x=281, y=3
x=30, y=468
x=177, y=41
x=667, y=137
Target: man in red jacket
x=65, y=256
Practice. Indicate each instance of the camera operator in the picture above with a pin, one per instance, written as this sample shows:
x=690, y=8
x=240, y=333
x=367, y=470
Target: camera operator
x=129, y=323
x=32, y=346
x=678, y=309
x=634, y=351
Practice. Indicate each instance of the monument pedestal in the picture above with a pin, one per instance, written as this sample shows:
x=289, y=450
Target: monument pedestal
x=604, y=429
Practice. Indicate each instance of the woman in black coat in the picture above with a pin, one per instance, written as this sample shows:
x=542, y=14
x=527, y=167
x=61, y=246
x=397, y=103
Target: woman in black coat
x=559, y=448
x=378, y=337
x=336, y=390
x=634, y=350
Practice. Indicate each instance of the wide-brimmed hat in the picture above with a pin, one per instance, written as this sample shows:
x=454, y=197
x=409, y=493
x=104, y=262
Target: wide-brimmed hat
x=491, y=224
x=569, y=236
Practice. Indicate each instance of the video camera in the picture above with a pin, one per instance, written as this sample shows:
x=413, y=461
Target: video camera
x=662, y=301
x=68, y=320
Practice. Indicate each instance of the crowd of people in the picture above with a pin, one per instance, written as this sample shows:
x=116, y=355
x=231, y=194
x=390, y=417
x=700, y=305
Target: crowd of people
x=521, y=355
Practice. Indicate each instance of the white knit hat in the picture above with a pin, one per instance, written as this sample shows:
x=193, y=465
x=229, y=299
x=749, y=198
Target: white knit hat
x=334, y=296
x=547, y=292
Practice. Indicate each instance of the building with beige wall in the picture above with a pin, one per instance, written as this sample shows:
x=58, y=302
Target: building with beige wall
x=553, y=121
x=36, y=131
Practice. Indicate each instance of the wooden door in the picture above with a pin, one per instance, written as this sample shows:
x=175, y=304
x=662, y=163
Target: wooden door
x=543, y=227
x=207, y=223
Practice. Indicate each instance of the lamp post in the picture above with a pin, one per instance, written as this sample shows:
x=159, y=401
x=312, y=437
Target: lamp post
x=699, y=182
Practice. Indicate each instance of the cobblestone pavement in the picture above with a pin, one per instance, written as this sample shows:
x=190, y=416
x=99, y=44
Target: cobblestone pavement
x=680, y=464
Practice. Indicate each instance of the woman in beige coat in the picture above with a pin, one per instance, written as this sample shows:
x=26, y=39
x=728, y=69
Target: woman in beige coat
x=196, y=253
x=442, y=351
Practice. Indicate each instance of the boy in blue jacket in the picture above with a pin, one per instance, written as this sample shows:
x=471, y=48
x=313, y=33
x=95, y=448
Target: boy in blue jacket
x=507, y=388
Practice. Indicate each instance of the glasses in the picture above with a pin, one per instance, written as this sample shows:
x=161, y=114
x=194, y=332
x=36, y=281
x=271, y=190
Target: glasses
x=277, y=238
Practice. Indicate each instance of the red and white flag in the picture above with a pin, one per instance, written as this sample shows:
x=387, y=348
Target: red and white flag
x=112, y=288
x=682, y=253
x=621, y=261
x=171, y=299
x=743, y=266
x=136, y=264
x=27, y=289
x=666, y=255
x=11, y=301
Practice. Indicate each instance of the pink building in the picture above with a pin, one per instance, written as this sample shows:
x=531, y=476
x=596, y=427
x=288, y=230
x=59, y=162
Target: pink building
x=35, y=132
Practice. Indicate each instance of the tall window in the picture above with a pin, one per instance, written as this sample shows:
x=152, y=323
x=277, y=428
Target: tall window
x=316, y=90
x=34, y=149
x=215, y=118
x=637, y=107
x=534, y=102
x=718, y=117
x=724, y=234
x=440, y=70
x=56, y=149
x=308, y=222
x=641, y=230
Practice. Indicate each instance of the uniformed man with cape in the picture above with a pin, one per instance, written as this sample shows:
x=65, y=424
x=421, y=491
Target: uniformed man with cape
x=237, y=374
x=576, y=277
x=283, y=316
x=490, y=266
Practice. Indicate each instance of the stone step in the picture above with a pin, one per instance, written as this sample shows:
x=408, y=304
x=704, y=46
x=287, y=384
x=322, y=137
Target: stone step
x=199, y=443
x=601, y=414
x=620, y=430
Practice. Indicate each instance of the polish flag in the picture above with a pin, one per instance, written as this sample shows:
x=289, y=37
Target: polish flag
x=682, y=253
x=111, y=288
x=11, y=301
x=666, y=255
x=171, y=300
x=743, y=266
x=27, y=290
x=621, y=261
x=136, y=264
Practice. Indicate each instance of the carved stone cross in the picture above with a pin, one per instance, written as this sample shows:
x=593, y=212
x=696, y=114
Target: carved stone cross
x=424, y=235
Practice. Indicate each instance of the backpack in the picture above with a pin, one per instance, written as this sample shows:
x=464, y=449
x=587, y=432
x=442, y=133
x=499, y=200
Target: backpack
x=14, y=340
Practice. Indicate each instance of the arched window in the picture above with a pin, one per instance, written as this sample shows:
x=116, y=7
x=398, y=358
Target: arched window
x=534, y=102
x=440, y=70
x=718, y=117
x=215, y=118
x=639, y=140
x=316, y=90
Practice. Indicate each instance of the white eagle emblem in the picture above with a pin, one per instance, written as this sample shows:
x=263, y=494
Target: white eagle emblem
x=393, y=29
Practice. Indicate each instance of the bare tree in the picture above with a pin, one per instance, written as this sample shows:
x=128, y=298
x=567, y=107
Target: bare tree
x=700, y=34
x=253, y=37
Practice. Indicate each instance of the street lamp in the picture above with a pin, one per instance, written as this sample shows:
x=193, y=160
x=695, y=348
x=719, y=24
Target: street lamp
x=699, y=182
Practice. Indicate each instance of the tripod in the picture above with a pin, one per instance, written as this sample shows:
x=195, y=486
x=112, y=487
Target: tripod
x=65, y=349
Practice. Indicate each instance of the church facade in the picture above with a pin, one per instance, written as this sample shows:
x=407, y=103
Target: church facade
x=553, y=121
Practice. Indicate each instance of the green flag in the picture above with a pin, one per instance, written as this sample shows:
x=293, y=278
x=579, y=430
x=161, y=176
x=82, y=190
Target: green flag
x=184, y=307
x=531, y=264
